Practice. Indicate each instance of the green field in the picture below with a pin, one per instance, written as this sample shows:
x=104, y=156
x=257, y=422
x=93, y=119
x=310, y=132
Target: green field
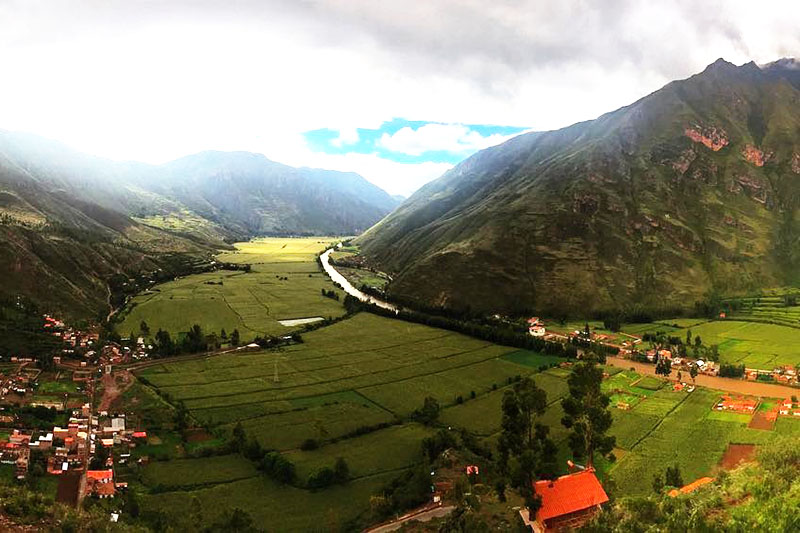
x=363, y=371
x=285, y=283
x=751, y=343
x=690, y=435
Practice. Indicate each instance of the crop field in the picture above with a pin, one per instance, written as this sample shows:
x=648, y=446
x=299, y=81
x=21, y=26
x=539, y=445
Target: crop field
x=272, y=506
x=690, y=435
x=182, y=473
x=359, y=372
x=776, y=308
x=399, y=447
x=285, y=283
x=754, y=344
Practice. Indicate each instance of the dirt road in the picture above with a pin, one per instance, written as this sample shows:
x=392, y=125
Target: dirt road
x=425, y=516
x=739, y=386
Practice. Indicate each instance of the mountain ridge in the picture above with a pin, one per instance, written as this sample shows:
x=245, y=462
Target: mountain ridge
x=548, y=219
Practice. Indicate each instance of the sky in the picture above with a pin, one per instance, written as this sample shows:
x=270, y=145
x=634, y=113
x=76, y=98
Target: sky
x=396, y=90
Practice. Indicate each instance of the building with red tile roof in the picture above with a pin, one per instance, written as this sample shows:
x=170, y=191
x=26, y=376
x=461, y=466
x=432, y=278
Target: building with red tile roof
x=100, y=483
x=568, y=502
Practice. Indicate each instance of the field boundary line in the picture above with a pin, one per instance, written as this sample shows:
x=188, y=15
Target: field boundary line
x=660, y=421
x=329, y=381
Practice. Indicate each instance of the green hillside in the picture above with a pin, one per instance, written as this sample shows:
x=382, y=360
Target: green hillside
x=690, y=191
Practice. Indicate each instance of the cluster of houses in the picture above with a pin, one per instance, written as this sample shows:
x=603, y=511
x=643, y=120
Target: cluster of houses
x=19, y=383
x=536, y=327
x=785, y=375
x=789, y=407
x=737, y=404
x=68, y=452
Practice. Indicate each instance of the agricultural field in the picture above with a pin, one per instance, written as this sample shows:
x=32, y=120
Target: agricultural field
x=753, y=344
x=687, y=433
x=778, y=307
x=361, y=372
x=284, y=283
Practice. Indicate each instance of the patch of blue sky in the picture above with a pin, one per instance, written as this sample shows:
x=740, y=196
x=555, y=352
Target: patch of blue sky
x=328, y=141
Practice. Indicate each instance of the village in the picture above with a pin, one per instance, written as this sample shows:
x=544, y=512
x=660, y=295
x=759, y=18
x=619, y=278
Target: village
x=50, y=424
x=632, y=347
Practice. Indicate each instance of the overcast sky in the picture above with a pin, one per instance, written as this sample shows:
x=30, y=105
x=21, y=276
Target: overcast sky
x=397, y=90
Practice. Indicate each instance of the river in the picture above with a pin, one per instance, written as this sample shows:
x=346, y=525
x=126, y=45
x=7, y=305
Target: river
x=348, y=287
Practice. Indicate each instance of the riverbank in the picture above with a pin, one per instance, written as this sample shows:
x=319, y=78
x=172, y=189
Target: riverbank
x=348, y=287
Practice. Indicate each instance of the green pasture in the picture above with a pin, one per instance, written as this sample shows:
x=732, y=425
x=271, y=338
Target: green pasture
x=386, y=450
x=363, y=371
x=285, y=283
x=272, y=506
x=192, y=473
x=689, y=436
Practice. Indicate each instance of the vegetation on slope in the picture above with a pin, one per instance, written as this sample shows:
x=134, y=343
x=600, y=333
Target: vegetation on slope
x=691, y=191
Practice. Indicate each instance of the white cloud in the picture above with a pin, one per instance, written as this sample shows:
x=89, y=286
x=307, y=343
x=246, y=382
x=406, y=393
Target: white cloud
x=454, y=138
x=154, y=81
x=347, y=137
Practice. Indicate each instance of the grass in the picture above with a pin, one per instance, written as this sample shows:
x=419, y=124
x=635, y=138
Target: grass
x=689, y=436
x=191, y=473
x=399, y=447
x=57, y=387
x=272, y=506
x=650, y=383
x=532, y=359
x=285, y=283
x=359, y=372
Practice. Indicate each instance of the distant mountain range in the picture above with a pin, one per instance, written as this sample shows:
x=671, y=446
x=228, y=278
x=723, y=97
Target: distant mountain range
x=68, y=220
x=689, y=193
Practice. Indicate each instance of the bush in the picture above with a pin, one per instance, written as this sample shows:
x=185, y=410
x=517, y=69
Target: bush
x=309, y=444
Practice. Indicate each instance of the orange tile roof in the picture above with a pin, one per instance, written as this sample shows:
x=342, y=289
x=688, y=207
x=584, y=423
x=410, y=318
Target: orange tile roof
x=568, y=494
x=691, y=487
x=99, y=475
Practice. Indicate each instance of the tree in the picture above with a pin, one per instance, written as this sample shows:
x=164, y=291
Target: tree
x=672, y=477
x=532, y=402
x=341, y=470
x=429, y=411
x=664, y=367
x=144, y=328
x=693, y=372
x=181, y=417
x=239, y=437
x=658, y=483
x=235, y=338
x=586, y=412
x=688, y=337
x=698, y=341
x=223, y=334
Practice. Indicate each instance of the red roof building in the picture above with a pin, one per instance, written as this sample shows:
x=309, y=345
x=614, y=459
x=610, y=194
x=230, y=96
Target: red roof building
x=569, y=501
x=100, y=483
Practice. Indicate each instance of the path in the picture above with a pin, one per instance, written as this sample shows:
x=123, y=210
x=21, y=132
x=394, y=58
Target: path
x=739, y=386
x=423, y=516
x=348, y=287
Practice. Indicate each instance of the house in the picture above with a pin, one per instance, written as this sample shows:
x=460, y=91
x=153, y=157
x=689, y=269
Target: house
x=100, y=483
x=537, y=331
x=568, y=502
x=739, y=404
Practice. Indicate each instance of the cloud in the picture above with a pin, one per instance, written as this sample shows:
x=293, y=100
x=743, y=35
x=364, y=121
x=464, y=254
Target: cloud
x=455, y=138
x=347, y=136
x=157, y=80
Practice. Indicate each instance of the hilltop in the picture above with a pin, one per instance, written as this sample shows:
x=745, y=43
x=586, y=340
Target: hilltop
x=690, y=192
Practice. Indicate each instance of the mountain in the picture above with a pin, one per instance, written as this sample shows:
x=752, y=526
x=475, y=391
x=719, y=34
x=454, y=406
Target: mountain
x=690, y=192
x=70, y=221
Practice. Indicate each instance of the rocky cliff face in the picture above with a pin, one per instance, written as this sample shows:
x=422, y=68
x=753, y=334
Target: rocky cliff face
x=691, y=190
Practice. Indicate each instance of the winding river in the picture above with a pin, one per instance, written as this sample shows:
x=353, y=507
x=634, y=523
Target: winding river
x=348, y=287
